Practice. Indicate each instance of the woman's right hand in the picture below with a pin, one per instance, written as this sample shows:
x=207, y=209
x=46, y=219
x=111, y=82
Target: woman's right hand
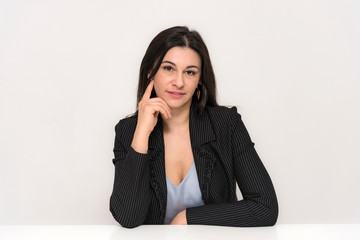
x=148, y=112
x=149, y=109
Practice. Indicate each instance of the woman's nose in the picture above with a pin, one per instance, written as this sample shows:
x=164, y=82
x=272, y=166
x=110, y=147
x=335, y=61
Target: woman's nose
x=179, y=80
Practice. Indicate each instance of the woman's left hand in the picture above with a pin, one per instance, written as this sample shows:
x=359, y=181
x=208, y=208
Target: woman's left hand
x=180, y=219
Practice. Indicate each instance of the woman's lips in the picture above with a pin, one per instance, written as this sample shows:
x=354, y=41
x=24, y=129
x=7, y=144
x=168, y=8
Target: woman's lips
x=175, y=94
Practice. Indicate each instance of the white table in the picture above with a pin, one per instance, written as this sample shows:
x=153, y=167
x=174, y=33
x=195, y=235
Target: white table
x=159, y=232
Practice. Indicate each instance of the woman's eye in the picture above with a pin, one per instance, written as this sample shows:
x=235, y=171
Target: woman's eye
x=168, y=68
x=190, y=73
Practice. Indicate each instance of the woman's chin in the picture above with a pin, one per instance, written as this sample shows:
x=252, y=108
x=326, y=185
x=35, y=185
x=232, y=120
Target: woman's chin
x=178, y=105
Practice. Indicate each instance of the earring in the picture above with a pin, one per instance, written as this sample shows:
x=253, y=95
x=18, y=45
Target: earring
x=198, y=92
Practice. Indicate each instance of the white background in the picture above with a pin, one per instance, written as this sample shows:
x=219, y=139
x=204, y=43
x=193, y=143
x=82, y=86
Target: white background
x=68, y=73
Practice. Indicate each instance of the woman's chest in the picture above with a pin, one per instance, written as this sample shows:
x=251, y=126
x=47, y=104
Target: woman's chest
x=178, y=158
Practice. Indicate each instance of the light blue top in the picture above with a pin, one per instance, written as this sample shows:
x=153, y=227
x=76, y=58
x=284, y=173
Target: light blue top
x=185, y=195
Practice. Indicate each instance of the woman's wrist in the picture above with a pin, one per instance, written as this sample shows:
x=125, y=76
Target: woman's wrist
x=180, y=219
x=140, y=141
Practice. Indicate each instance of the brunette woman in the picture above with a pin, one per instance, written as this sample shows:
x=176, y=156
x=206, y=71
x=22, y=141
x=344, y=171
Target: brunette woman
x=179, y=157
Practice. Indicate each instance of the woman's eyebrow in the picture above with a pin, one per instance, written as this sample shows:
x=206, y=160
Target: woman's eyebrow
x=192, y=66
x=169, y=63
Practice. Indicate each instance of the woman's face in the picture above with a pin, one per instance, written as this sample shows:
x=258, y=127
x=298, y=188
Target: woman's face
x=178, y=76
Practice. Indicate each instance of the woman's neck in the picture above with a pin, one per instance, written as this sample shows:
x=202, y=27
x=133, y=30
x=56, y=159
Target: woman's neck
x=179, y=120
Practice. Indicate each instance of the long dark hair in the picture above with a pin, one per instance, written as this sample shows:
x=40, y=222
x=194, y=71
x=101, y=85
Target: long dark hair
x=163, y=42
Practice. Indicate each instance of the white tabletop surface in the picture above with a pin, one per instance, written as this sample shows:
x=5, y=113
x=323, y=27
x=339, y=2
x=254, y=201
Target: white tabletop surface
x=149, y=232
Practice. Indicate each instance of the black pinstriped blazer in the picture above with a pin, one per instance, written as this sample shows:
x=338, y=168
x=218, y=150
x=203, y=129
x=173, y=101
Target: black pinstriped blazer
x=223, y=153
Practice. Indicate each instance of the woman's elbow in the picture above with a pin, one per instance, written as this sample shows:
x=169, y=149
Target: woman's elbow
x=128, y=216
x=272, y=214
x=272, y=218
x=265, y=212
x=126, y=222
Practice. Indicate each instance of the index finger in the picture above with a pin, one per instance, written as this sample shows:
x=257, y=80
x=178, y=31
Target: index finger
x=148, y=90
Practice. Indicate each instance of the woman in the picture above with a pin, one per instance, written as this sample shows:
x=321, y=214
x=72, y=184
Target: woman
x=178, y=158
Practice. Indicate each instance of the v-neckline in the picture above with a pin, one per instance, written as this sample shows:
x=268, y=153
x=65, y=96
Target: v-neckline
x=186, y=177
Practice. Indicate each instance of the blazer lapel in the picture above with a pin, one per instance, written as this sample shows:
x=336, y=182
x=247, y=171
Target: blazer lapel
x=157, y=165
x=201, y=133
x=200, y=126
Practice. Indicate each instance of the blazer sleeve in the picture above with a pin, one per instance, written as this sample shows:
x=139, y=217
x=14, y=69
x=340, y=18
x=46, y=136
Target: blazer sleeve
x=259, y=206
x=130, y=199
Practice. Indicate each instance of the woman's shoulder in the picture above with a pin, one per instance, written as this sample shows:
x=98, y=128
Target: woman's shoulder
x=127, y=123
x=223, y=113
x=224, y=117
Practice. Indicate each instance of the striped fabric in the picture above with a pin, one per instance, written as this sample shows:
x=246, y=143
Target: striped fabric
x=223, y=154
